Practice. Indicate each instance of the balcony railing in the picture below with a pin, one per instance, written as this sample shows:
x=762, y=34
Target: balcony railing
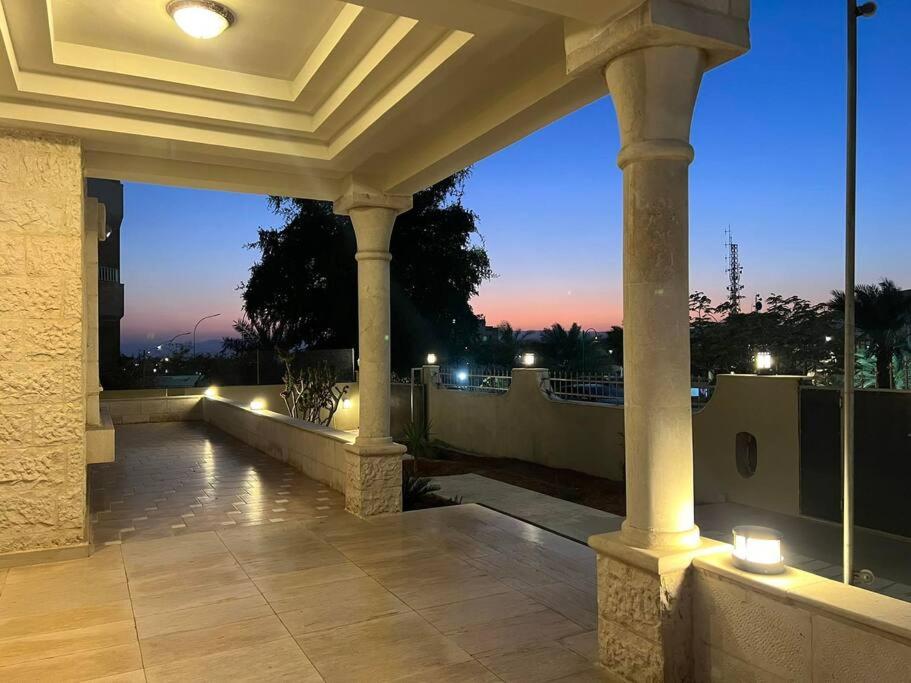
x=568, y=386
x=108, y=274
x=492, y=380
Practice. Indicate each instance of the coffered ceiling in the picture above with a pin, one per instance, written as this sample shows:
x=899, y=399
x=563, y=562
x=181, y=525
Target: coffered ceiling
x=297, y=94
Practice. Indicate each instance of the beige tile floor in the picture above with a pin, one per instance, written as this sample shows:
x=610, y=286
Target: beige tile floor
x=449, y=594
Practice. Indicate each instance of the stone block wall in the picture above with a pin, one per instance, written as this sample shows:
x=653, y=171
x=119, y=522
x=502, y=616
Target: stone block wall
x=42, y=395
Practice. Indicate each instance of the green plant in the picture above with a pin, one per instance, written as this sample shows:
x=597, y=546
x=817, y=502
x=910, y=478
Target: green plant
x=415, y=490
x=417, y=439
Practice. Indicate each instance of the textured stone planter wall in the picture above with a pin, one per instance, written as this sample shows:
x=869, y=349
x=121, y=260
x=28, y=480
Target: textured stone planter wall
x=318, y=452
x=42, y=393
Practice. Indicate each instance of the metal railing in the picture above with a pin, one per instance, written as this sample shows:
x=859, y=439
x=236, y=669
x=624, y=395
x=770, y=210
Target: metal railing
x=493, y=380
x=570, y=386
x=108, y=274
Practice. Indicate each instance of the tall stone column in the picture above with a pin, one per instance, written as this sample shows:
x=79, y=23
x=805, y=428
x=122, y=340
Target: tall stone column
x=374, y=462
x=653, y=59
x=654, y=92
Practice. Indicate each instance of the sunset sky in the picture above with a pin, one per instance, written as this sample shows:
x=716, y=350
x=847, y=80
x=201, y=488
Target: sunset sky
x=769, y=140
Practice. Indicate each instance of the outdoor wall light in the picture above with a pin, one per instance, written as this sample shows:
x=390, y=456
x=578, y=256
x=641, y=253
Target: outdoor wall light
x=528, y=360
x=346, y=403
x=202, y=19
x=462, y=375
x=757, y=549
x=431, y=359
x=211, y=392
x=257, y=404
x=763, y=362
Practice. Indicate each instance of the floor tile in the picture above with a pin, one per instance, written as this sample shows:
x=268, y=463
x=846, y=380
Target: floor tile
x=315, y=608
x=393, y=647
x=536, y=663
x=121, y=661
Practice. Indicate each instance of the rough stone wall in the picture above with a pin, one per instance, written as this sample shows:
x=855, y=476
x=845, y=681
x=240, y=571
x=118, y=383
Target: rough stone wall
x=373, y=484
x=644, y=622
x=42, y=398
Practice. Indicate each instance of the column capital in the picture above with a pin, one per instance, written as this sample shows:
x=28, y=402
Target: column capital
x=719, y=28
x=360, y=195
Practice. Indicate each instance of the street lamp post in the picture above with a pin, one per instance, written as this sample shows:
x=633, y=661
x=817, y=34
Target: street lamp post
x=584, y=332
x=854, y=11
x=206, y=317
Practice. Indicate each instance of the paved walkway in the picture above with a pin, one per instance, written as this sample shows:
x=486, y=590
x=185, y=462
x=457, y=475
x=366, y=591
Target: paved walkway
x=810, y=545
x=459, y=593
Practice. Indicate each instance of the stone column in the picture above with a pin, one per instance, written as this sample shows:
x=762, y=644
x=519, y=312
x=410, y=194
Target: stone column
x=653, y=59
x=42, y=391
x=94, y=231
x=374, y=462
x=654, y=92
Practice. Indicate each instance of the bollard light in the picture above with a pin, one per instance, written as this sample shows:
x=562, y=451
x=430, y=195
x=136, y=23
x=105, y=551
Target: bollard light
x=211, y=392
x=257, y=404
x=763, y=362
x=757, y=549
x=528, y=360
x=431, y=359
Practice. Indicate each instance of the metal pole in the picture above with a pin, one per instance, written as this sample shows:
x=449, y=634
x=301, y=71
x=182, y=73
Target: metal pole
x=847, y=504
x=847, y=403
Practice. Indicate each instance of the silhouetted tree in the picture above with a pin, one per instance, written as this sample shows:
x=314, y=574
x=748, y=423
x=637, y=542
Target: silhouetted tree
x=882, y=315
x=305, y=281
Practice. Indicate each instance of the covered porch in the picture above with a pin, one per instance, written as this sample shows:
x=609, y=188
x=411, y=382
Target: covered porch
x=215, y=562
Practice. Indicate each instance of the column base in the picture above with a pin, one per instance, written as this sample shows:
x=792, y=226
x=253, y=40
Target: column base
x=373, y=482
x=645, y=608
x=648, y=538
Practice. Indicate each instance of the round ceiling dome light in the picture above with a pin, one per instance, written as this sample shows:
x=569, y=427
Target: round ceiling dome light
x=200, y=18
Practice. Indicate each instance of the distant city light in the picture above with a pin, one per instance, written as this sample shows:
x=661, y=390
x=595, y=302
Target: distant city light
x=828, y=338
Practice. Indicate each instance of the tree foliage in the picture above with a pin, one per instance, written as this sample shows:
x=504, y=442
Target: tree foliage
x=799, y=335
x=302, y=291
x=882, y=315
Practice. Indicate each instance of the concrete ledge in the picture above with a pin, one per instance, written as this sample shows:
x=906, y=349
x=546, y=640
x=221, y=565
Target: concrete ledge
x=42, y=555
x=657, y=561
x=794, y=626
x=99, y=440
x=815, y=592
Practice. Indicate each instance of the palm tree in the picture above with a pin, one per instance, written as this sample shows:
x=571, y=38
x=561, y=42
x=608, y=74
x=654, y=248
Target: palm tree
x=883, y=314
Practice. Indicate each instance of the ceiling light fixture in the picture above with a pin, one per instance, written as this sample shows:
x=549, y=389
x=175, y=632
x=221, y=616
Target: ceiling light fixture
x=200, y=18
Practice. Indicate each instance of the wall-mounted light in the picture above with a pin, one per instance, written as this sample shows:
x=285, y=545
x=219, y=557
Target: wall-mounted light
x=757, y=549
x=202, y=19
x=763, y=362
x=431, y=359
x=257, y=404
x=211, y=392
x=346, y=403
x=528, y=360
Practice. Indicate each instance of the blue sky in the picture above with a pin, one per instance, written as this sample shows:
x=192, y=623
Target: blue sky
x=769, y=139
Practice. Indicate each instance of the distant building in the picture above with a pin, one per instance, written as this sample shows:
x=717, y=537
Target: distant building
x=110, y=289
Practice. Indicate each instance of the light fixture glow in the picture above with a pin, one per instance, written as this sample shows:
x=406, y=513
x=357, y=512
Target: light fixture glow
x=211, y=392
x=257, y=404
x=431, y=359
x=528, y=359
x=757, y=549
x=346, y=403
x=200, y=18
x=763, y=361
x=462, y=375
